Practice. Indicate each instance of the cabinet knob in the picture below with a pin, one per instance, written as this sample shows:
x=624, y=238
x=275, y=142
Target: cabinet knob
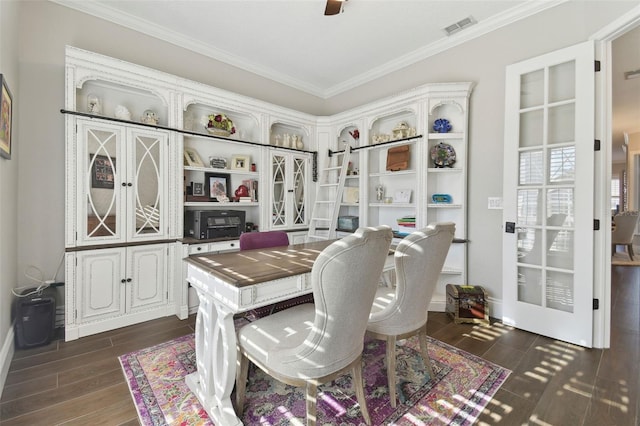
x=233, y=244
x=123, y=281
x=129, y=184
x=290, y=190
x=128, y=280
x=124, y=183
x=199, y=248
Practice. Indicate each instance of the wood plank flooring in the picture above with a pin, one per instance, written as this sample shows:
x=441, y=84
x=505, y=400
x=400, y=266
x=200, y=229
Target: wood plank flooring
x=553, y=383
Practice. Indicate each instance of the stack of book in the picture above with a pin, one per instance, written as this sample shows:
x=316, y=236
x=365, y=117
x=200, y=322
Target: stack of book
x=406, y=225
x=245, y=200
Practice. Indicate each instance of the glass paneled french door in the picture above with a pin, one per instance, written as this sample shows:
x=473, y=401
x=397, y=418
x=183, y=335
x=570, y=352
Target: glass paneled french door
x=548, y=195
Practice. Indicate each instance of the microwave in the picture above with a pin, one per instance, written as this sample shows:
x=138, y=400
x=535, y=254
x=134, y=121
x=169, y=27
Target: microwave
x=208, y=224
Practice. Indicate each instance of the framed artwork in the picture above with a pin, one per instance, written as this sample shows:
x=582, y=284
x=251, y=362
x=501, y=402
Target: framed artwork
x=191, y=158
x=102, y=174
x=198, y=188
x=218, y=185
x=6, y=108
x=240, y=162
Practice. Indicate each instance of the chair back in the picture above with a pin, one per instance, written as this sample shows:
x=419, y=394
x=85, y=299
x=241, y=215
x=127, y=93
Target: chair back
x=419, y=259
x=344, y=279
x=625, y=227
x=255, y=240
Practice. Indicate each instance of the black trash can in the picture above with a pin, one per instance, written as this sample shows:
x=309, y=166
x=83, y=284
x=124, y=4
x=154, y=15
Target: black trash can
x=34, y=314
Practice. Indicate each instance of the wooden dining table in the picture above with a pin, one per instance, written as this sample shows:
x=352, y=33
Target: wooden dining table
x=231, y=283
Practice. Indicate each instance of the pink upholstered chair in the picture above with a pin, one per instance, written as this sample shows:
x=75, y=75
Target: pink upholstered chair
x=401, y=312
x=267, y=239
x=308, y=345
x=255, y=240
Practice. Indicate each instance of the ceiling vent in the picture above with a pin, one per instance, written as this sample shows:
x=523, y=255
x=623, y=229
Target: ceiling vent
x=460, y=25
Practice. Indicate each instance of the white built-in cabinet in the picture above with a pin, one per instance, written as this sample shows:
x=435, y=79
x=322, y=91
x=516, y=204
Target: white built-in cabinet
x=385, y=196
x=129, y=182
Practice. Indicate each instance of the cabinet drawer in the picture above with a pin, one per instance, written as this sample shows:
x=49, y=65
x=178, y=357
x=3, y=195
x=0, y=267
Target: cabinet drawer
x=224, y=245
x=198, y=248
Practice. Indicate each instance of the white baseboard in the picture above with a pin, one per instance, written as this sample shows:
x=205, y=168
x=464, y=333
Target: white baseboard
x=6, y=355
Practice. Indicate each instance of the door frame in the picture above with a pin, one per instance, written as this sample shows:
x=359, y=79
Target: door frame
x=603, y=123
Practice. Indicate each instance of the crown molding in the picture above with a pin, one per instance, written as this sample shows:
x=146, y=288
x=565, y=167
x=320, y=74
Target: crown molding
x=106, y=12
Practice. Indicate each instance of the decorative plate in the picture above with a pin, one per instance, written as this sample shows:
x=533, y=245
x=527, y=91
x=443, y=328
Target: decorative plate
x=443, y=155
x=441, y=125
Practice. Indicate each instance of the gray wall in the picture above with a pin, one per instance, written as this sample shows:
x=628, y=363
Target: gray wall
x=45, y=28
x=9, y=29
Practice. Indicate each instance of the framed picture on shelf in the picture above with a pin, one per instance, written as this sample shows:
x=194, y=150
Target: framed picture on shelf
x=102, y=175
x=191, y=158
x=218, y=185
x=6, y=112
x=198, y=188
x=240, y=162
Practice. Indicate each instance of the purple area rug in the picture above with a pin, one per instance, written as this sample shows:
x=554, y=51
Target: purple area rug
x=464, y=385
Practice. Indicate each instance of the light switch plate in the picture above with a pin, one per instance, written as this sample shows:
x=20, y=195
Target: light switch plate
x=495, y=203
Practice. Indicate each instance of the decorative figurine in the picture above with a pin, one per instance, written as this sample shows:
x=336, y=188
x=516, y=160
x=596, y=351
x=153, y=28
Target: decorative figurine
x=379, y=192
x=149, y=117
x=94, y=105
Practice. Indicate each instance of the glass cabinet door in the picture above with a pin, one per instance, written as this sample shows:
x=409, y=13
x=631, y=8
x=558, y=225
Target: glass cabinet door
x=100, y=147
x=146, y=179
x=299, y=190
x=278, y=170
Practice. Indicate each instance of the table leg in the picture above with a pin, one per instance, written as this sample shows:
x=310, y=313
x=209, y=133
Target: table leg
x=216, y=359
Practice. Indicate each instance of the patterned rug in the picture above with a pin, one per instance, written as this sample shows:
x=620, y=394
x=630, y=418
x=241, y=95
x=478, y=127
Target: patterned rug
x=464, y=385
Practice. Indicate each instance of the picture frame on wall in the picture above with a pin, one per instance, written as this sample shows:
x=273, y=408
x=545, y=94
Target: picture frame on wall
x=192, y=158
x=6, y=115
x=240, y=162
x=102, y=171
x=218, y=186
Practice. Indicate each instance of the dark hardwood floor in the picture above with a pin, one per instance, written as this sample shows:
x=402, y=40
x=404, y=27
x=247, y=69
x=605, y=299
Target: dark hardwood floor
x=553, y=383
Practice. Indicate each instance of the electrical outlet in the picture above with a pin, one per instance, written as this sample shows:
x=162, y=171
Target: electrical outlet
x=495, y=203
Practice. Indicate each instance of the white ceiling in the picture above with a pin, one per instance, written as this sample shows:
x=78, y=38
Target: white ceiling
x=292, y=42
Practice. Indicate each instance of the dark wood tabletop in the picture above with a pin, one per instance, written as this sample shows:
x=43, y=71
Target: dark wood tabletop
x=249, y=267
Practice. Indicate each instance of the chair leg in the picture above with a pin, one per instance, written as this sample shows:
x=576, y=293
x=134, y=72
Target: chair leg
x=422, y=337
x=312, y=396
x=241, y=383
x=630, y=251
x=391, y=368
x=359, y=388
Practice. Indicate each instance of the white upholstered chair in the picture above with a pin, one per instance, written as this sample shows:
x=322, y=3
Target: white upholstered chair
x=623, y=232
x=401, y=312
x=308, y=345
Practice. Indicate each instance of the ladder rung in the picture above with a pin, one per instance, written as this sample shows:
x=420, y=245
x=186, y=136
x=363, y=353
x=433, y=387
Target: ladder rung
x=329, y=184
x=329, y=169
x=322, y=219
x=325, y=201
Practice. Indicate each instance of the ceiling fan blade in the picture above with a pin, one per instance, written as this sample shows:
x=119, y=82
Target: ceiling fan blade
x=333, y=7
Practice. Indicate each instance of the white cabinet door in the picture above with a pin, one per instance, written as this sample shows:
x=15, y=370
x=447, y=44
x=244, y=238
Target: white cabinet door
x=146, y=276
x=100, y=293
x=289, y=189
x=548, y=195
x=121, y=184
x=116, y=287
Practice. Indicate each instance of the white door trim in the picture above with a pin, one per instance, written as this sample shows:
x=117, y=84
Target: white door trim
x=602, y=243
